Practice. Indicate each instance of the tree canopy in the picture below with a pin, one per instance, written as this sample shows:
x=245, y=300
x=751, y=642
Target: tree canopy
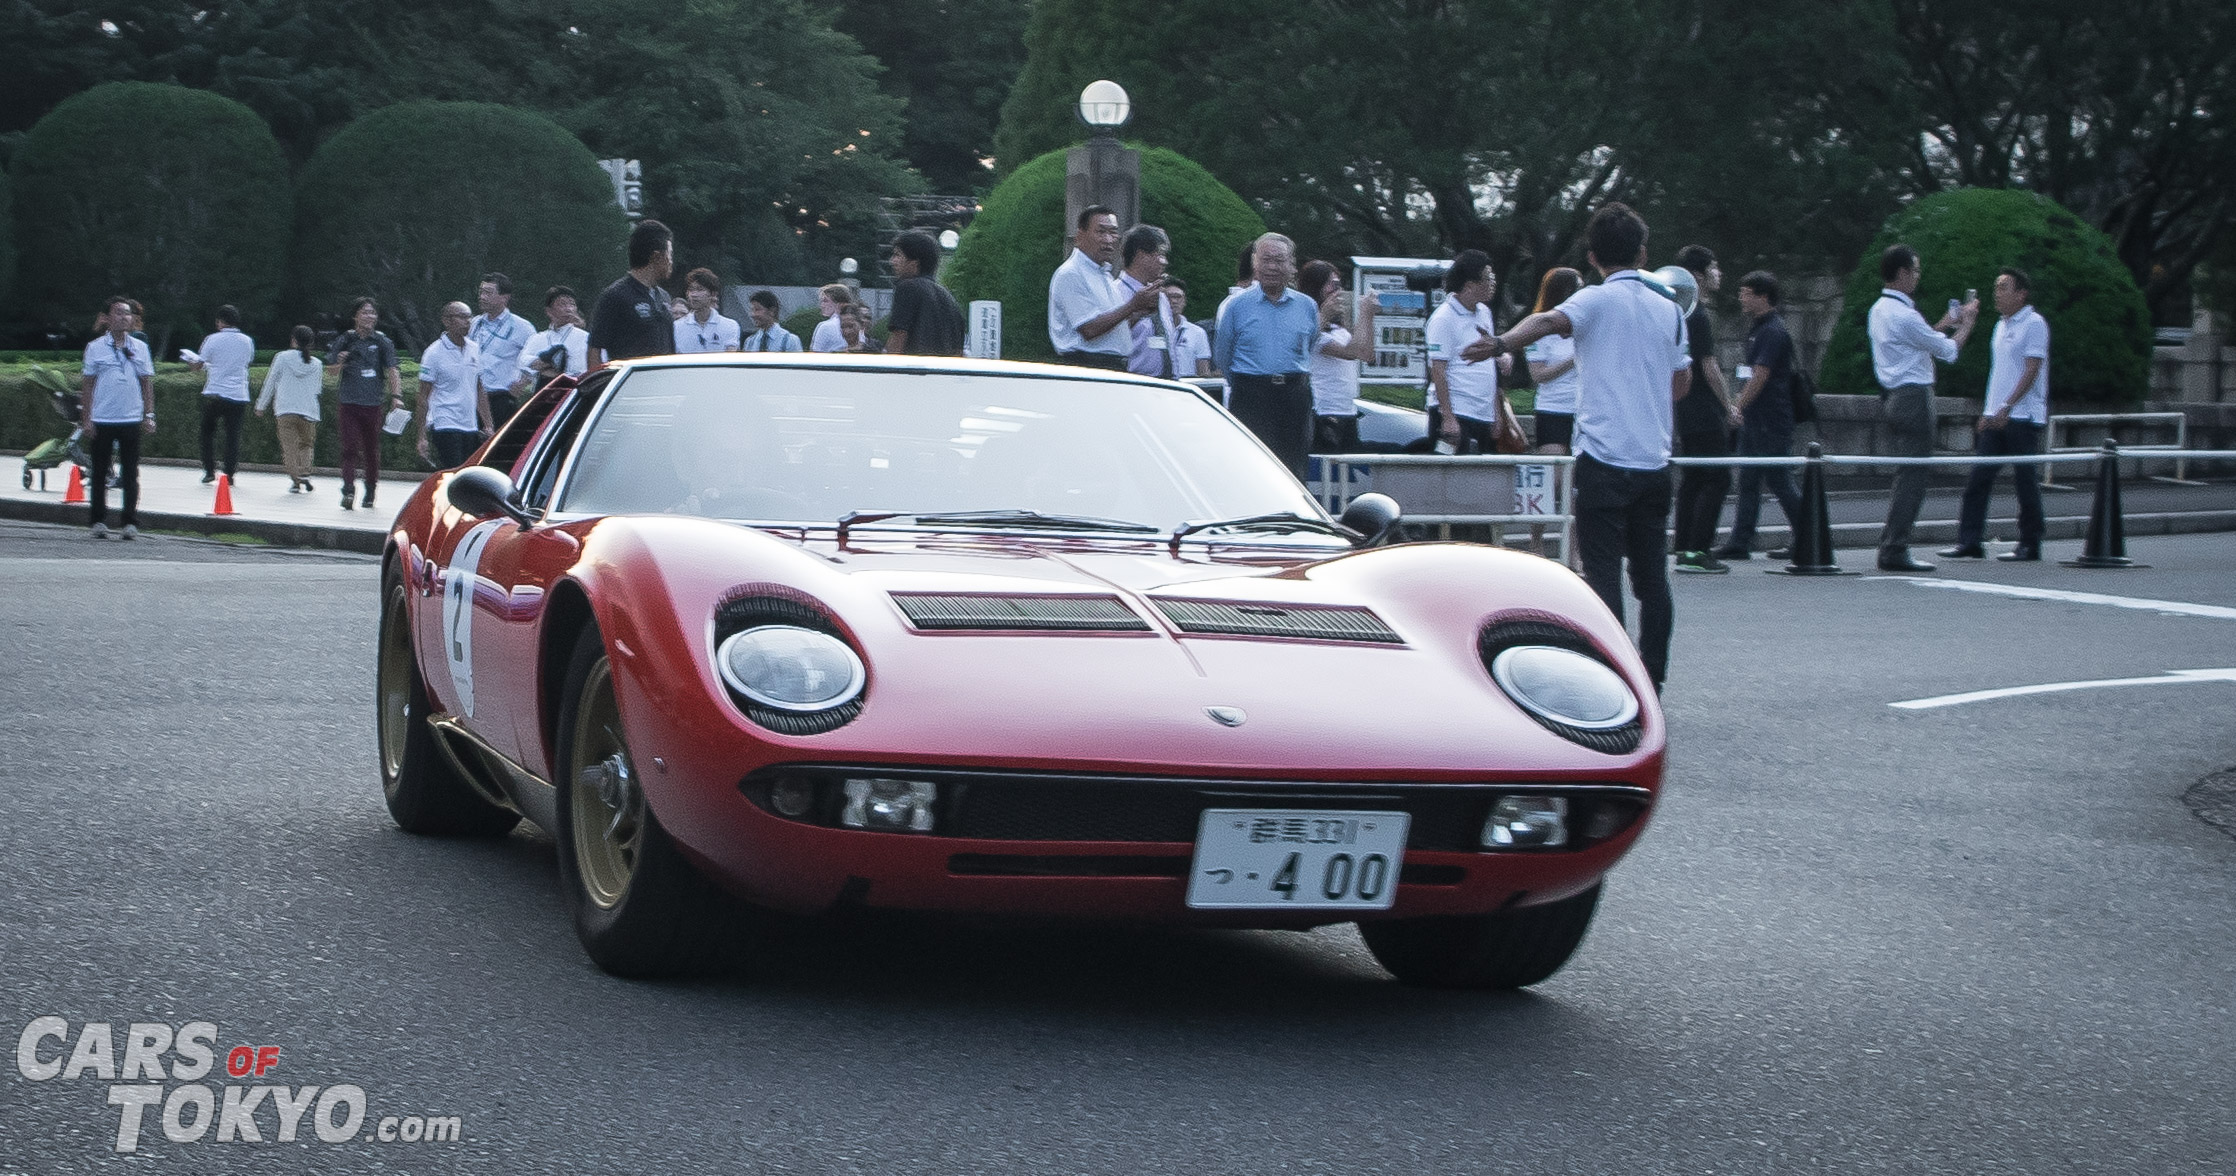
x=177, y=197
x=1782, y=132
x=412, y=204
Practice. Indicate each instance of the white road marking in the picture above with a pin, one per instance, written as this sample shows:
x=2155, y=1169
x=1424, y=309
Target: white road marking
x=2170, y=678
x=2179, y=608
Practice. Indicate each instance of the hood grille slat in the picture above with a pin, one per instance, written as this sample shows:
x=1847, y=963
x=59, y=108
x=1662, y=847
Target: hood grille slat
x=1076, y=614
x=1318, y=622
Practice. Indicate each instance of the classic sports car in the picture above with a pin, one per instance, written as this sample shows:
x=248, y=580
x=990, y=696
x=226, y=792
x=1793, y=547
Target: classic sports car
x=999, y=638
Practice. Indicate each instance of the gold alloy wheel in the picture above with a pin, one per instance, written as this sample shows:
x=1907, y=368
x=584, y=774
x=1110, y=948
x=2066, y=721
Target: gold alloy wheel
x=607, y=808
x=394, y=688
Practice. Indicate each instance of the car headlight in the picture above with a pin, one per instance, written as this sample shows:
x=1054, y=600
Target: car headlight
x=1564, y=686
x=789, y=668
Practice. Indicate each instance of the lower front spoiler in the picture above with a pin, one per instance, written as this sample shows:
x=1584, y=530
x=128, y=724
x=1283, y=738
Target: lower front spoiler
x=807, y=869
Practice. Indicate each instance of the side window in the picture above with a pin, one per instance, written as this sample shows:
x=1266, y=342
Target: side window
x=514, y=438
x=542, y=472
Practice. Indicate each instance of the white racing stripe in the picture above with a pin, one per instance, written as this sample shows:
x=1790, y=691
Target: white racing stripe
x=2169, y=678
x=2179, y=608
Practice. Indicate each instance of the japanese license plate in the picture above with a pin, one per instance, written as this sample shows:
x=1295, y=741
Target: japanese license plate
x=1297, y=859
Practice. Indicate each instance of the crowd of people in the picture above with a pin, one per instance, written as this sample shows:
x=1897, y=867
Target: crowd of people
x=1624, y=380
x=471, y=376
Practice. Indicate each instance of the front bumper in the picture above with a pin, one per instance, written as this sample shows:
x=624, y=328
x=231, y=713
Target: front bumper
x=1120, y=847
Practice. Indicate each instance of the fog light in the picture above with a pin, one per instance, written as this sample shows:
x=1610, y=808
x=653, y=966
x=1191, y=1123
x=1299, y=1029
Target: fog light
x=792, y=796
x=897, y=805
x=1527, y=822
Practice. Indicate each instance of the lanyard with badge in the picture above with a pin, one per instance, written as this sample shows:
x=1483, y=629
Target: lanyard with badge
x=1632, y=276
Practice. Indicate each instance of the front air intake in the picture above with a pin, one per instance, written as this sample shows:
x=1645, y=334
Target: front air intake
x=1316, y=622
x=1057, y=613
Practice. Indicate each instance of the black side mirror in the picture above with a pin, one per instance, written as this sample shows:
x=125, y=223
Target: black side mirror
x=479, y=490
x=1372, y=517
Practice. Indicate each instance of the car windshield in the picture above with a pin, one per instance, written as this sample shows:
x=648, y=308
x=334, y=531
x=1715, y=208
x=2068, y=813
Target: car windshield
x=775, y=444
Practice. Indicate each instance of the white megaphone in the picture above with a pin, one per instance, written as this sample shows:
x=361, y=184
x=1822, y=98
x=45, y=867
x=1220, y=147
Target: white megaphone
x=1675, y=283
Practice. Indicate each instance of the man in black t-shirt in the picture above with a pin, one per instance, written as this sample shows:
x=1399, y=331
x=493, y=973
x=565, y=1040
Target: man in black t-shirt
x=925, y=319
x=1704, y=423
x=1765, y=409
x=632, y=317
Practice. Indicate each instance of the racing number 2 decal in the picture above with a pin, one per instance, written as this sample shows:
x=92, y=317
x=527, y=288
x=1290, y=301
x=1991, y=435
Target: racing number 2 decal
x=458, y=612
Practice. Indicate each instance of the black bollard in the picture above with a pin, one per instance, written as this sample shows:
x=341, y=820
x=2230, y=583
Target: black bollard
x=2107, y=530
x=1812, y=540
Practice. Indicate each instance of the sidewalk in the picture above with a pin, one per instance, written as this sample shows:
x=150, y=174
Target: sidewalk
x=173, y=498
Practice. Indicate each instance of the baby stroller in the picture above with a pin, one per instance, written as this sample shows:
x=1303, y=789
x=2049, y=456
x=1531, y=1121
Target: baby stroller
x=54, y=451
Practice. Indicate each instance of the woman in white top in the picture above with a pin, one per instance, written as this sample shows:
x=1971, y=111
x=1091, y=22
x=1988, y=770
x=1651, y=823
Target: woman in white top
x=295, y=380
x=831, y=300
x=1552, y=363
x=1334, y=364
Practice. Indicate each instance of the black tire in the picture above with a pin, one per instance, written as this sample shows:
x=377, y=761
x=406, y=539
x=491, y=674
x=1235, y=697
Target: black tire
x=425, y=793
x=641, y=910
x=1513, y=949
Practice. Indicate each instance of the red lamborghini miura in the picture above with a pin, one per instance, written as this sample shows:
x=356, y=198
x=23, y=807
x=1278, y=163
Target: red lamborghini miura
x=998, y=638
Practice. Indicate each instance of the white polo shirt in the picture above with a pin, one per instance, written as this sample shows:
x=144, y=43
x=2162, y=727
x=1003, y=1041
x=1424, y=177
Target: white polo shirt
x=225, y=359
x=1473, y=384
x=827, y=336
x=1629, y=340
x=448, y=387
x=503, y=341
x=693, y=337
x=573, y=338
x=1081, y=290
x=2020, y=337
x=1903, y=344
x=1335, y=381
x=1189, y=344
x=116, y=369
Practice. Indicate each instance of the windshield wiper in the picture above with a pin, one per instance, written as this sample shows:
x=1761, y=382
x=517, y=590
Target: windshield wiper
x=996, y=518
x=1277, y=521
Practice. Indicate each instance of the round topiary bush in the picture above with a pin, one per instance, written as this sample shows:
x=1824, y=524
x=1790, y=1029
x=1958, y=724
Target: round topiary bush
x=1019, y=238
x=2100, y=328
x=412, y=203
x=177, y=197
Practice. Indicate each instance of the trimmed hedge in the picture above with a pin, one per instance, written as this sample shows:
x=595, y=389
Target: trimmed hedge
x=177, y=197
x=27, y=417
x=2100, y=327
x=411, y=204
x=1019, y=238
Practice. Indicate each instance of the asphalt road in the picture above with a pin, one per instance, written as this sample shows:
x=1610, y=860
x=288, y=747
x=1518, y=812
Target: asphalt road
x=1980, y=938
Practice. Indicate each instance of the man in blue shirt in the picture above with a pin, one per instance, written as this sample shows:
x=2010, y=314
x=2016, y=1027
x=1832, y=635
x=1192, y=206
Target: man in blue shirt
x=1263, y=342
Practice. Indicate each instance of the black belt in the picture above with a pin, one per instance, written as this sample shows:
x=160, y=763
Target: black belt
x=1277, y=381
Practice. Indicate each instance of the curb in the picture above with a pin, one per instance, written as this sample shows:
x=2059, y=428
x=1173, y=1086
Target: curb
x=279, y=534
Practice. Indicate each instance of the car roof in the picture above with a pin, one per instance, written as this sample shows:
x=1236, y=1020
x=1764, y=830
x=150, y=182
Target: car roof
x=841, y=362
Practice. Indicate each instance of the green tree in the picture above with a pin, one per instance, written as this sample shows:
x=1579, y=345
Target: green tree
x=953, y=62
x=2100, y=332
x=1018, y=240
x=178, y=197
x=765, y=140
x=412, y=204
x=7, y=241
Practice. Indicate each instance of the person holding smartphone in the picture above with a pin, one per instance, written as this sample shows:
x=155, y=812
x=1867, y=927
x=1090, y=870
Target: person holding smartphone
x=1903, y=351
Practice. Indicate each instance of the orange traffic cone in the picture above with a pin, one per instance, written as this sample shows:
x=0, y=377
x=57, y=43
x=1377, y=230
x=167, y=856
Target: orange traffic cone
x=224, y=504
x=76, y=492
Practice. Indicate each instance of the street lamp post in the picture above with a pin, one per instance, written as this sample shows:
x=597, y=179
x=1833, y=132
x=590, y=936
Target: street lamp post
x=1103, y=170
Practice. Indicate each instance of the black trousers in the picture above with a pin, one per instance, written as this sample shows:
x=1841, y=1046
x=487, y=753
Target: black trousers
x=1279, y=410
x=2013, y=439
x=216, y=411
x=126, y=439
x=1701, y=489
x=501, y=407
x=1093, y=359
x=1624, y=515
x=452, y=447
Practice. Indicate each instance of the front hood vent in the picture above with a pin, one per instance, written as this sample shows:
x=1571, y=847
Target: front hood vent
x=1092, y=614
x=1318, y=622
